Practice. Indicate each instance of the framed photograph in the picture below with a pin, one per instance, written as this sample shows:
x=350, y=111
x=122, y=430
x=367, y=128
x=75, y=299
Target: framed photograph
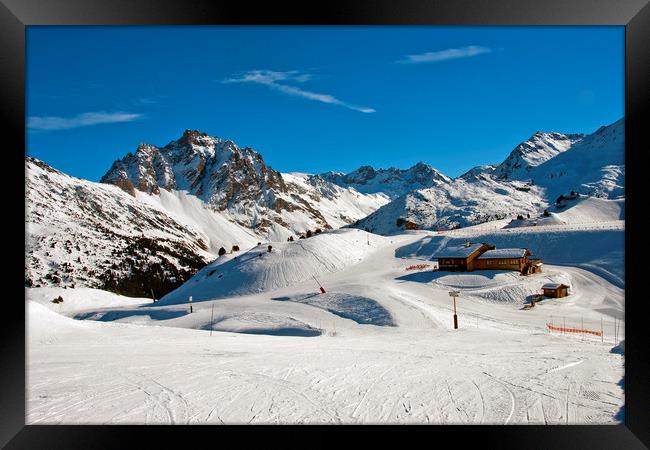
x=354, y=214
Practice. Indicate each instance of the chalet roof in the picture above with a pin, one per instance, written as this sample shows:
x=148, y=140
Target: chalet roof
x=554, y=286
x=504, y=253
x=459, y=251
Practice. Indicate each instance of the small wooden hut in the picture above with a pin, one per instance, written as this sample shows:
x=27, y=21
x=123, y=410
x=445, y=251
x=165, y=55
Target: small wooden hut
x=555, y=290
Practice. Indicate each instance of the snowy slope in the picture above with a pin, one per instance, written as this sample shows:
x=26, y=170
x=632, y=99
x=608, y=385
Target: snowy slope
x=84, y=234
x=599, y=250
x=591, y=209
x=79, y=299
x=295, y=356
x=216, y=229
x=581, y=210
x=288, y=263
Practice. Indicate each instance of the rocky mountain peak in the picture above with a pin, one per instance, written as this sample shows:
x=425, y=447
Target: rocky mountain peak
x=234, y=181
x=145, y=150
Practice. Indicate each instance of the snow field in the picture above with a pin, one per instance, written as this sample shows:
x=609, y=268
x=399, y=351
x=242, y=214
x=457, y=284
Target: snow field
x=290, y=355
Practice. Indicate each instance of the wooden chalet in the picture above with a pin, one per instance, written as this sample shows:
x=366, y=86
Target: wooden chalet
x=555, y=290
x=469, y=257
x=461, y=258
x=503, y=259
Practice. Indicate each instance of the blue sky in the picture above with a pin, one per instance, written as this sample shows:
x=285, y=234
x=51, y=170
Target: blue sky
x=313, y=99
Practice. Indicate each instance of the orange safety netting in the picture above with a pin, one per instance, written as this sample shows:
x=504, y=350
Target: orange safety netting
x=573, y=330
x=418, y=267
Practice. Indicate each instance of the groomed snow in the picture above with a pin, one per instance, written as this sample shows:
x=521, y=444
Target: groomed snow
x=287, y=264
x=287, y=354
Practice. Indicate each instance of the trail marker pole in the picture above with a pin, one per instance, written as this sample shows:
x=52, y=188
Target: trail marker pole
x=322, y=289
x=211, y=319
x=455, y=294
x=582, y=327
x=191, y=303
x=602, y=332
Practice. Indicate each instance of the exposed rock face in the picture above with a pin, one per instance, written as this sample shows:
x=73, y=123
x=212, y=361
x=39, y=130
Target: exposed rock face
x=235, y=181
x=84, y=234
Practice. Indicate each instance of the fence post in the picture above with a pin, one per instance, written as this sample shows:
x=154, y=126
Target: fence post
x=212, y=319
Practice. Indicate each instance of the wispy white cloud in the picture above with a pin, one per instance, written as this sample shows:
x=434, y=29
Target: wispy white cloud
x=81, y=120
x=444, y=55
x=278, y=82
x=146, y=101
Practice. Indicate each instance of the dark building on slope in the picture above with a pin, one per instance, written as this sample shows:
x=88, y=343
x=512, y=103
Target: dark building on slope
x=469, y=257
x=555, y=290
x=461, y=258
x=503, y=259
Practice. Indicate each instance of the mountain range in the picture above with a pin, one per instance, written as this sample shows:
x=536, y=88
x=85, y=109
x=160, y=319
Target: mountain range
x=160, y=214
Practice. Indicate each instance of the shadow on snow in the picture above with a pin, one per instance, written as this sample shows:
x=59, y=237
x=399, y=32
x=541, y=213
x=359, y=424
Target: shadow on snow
x=362, y=310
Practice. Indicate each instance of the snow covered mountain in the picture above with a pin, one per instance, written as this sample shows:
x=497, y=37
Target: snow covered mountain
x=163, y=213
x=236, y=182
x=594, y=166
x=533, y=177
x=85, y=234
x=458, y=203
x=536, y=150
x=392, y=182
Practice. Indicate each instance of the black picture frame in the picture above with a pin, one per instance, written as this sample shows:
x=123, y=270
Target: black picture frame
x=15, y=15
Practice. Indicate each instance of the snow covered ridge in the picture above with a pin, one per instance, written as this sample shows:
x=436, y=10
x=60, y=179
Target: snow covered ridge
x=85, y=234
x=530, y=180
x=287, y=264
x=237, y=183
x=392, y=182
x=535, y=151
